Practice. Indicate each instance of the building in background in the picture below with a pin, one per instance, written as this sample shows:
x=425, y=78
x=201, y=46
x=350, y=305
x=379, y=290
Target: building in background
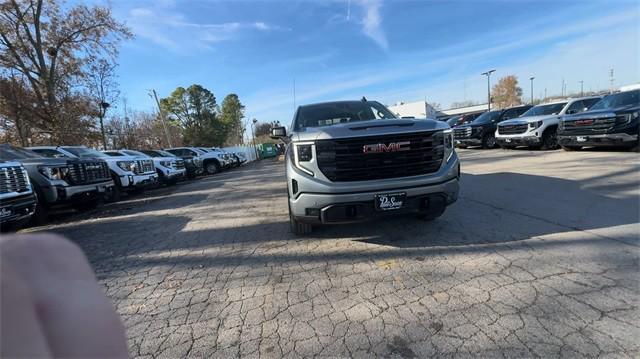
x=422, y=109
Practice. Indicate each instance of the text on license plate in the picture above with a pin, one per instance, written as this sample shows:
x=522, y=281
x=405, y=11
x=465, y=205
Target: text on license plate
x=389, y=201
x=581, y=139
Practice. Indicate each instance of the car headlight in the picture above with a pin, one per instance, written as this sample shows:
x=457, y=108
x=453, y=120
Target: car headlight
x=534, y=125
x=303, y=154
x=129, y=166
x=448, y=144
x=165, y=163
x=54, y=172
x=627, y=118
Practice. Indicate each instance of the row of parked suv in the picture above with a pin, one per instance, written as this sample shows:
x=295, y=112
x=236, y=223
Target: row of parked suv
x=572, y=123
x=35, y=180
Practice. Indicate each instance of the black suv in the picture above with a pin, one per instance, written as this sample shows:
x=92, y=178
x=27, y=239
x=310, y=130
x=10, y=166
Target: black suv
x=481, y=131
x=613, y=121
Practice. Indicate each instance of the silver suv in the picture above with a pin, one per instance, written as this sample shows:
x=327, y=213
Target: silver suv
x=350, y=161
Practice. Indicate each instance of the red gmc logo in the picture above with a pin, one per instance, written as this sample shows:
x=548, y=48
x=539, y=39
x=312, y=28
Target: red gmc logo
x=584, y=122
x=391, y=147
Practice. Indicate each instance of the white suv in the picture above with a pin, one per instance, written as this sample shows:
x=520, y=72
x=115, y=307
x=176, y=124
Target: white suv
x=212, y=162
x=538, y=127
x=169, y=169
x=128, y=172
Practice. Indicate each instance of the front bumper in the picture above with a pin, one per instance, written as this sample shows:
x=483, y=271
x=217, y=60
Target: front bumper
x=138, y=180
x=468, y=142
x=320, y=202
x=65, y=193
x=609, y=139
x=170, y=173
x=17, y=208
x=517, y=140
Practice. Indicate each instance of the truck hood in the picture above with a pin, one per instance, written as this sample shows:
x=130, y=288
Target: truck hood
x=528, y=119
x=44, y=161
x=608, y=112
x=368, y=128
x=122, y=158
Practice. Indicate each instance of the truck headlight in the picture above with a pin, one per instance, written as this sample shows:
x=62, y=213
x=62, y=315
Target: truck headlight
x=534, y=125
x=303, y=154
x=54, y=173
x=165, y=163
x=129, y=166
x=627, y=118
x=448, y=144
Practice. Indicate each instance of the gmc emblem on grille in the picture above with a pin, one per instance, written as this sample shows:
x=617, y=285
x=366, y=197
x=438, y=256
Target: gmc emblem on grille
x=391, y=147
x=584, y=122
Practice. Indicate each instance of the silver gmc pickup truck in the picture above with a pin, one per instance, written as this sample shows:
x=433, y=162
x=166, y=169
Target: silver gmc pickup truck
x=350, y=161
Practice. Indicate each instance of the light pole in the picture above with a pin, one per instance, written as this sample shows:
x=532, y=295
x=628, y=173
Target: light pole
x=488, y=74
x=103, y=111
x=581, y=88
x=253, y=133
x=531, y=78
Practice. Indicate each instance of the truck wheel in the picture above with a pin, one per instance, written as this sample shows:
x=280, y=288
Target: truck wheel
x=571, y=148
x=489, y=141
x=211, y=168
x=549, y=139
x=41, y=214
x=299, y=228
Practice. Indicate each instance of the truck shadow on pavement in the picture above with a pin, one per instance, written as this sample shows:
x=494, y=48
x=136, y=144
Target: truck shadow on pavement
x=499, y=210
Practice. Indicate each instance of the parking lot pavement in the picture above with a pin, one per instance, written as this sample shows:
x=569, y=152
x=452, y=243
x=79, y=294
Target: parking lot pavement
x=539, y=257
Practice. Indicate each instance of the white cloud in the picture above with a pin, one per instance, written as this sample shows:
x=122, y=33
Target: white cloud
x=169, y=28
x=372, y=21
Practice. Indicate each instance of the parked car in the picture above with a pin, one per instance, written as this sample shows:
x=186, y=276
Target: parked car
x=17, y=199
x=227, y=161
x=613, y=121
x=193, y=167
x=452, y=121
x=481, y=131
x=350, y=161
x=128, y=173
x=538, y=126
x=212, y=162
x=169, y=169
x=60, y=181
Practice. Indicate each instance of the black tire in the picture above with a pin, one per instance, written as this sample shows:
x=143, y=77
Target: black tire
x=571, y=148
x=211, y=167
x=41, y=214
x=299, y=228
x=549, y=139
x=489, y=141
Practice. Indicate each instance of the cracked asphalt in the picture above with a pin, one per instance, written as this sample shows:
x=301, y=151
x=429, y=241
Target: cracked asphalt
x=538, y=258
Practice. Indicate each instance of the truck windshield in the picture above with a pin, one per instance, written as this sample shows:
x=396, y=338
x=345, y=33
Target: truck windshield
x=333, y=113
x=135, y=153
x=542, y=110
x=486, y=117
x=618, y=100
x=8, y=153
x=84, y=152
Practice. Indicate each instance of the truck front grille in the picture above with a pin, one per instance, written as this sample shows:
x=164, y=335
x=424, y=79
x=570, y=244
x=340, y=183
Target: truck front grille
x=512, y=129
x=179, y=164
x=88, y=172
x=587, y=125
x=344, y=160
x=460, y=133
x=146, y=166
x=14, y=179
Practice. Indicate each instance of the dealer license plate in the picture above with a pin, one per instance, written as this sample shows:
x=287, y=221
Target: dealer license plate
x=507, y=140
x=581, y=139
x=390, y=201
x=5, y=212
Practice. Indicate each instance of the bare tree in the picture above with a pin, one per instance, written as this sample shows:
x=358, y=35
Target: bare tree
x=103, y=89
x=52, y=48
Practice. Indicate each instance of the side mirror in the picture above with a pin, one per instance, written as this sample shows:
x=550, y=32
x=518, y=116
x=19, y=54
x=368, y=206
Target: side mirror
x=278, y=132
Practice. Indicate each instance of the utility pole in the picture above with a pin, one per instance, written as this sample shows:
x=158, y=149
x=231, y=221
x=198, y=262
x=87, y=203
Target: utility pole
x=581, y=88
x=488, y=74
x=611, y=79
x=545, y=93
x=162, y=119
x=531, y=78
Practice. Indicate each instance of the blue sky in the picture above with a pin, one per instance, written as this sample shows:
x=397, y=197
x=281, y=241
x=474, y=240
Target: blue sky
x=385, y=50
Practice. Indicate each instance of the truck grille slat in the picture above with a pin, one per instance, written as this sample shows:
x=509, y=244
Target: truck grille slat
x=13, y=179
x=344, y=160
x=146, y=166
x=512, y=129
x=585, y=125
x=88, y=172
x=462, y=132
